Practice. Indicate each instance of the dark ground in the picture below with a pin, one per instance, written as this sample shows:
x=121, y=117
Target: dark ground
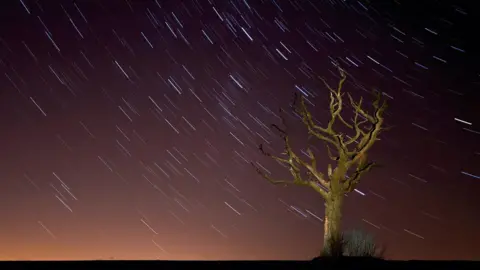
x=315, y=264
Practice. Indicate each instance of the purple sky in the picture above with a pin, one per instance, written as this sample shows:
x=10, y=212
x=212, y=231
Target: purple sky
x=127, y=127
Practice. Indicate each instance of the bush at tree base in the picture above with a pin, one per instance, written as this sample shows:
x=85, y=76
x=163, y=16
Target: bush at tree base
x=353, y=244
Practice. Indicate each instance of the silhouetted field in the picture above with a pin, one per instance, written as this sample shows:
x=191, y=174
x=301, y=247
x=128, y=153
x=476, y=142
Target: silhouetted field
x=350, y=263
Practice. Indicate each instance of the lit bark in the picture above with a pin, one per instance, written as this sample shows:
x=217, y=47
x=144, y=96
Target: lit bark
x=333, y=222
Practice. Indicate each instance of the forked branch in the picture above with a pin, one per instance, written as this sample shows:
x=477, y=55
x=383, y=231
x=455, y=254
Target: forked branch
x=350, y=184
x=295, y=163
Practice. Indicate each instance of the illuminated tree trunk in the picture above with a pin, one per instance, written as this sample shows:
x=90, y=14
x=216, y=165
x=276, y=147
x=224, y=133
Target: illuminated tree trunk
x=332, y=225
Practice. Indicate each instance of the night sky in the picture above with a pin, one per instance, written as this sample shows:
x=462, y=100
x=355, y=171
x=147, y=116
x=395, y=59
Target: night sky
x=127, y=127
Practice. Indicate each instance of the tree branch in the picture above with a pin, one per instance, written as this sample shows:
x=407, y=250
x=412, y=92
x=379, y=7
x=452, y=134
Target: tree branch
x=294, y=162
x=318, y=189
x=330, y=155
x=270, y=179
x=328, y=133
x=312, y=169
x=371, y=136
x=350, y=184
x=356, y=124
x=315, y=130
x=336, y=102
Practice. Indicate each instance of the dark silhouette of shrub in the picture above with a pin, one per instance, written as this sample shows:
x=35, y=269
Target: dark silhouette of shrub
x=353, y=244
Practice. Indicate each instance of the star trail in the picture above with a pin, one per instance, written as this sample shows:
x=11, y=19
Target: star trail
x=128, y=128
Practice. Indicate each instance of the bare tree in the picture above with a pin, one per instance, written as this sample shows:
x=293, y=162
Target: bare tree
x=351, y=154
